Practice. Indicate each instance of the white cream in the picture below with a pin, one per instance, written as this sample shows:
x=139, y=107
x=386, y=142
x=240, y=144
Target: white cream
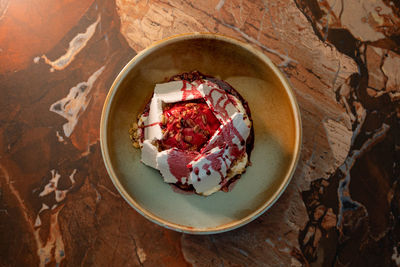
x=218, y=99
x=235, y=127
x=203, y=181
x=224, y=134
x=149, y=154
x=163, y=166
x=238, y=167
x=152, y=124
x=175, y=91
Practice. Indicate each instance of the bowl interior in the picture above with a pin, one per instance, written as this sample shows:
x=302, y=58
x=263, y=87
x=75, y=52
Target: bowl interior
x=276, y=134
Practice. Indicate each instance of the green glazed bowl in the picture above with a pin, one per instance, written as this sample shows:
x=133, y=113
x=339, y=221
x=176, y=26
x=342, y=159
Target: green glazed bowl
x=276, y=120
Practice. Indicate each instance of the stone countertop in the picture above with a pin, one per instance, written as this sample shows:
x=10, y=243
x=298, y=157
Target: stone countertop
x=57, y=203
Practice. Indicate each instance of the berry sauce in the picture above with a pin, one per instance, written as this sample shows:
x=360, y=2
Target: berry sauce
x=188, y=125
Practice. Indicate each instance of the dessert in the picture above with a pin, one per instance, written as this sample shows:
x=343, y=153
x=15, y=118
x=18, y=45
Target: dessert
x=197, y=131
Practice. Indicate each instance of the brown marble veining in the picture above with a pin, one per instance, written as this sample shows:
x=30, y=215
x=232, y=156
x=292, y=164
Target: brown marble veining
x=361, y=191
x=57, y=62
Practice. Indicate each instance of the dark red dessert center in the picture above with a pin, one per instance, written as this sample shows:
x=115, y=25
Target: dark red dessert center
x=188, y=126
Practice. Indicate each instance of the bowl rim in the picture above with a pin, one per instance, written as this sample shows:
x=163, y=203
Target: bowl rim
x=104, y=137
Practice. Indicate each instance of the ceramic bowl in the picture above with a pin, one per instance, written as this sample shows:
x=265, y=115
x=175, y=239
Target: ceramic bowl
x=276, y=123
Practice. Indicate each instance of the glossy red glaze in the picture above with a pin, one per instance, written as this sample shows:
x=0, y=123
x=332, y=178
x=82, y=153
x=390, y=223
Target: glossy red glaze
x=178, y=161
x=189, y=125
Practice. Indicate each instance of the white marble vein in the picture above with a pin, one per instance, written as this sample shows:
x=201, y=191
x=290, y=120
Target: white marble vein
x=75, y=46
x=75, y=103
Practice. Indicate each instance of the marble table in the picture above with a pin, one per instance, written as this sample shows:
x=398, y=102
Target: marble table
x=58, y=206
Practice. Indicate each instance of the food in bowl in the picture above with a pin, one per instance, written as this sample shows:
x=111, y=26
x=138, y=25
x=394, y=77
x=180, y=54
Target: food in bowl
x=197, y=131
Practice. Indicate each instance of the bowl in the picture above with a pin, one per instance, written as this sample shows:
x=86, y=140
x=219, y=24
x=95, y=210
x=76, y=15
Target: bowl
x=276, y=121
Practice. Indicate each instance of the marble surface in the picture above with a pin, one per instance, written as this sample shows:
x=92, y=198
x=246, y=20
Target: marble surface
x=58, y=59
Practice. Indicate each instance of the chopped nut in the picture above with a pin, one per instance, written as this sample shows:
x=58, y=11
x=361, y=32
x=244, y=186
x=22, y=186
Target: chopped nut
x=178, y=125
x=135, y=144
x=190, y=122
x=196, y=128
x=204, y=119
x=188, y=138
x=178, y=137
x=163, y=119
x=171, y=119
x=165, y=134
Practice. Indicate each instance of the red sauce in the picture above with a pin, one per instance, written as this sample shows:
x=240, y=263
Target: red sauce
x=219, y=105
x=178, y=161
x=189, y=90
x=152, y=124
x=189, y=125
x=225, y=137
